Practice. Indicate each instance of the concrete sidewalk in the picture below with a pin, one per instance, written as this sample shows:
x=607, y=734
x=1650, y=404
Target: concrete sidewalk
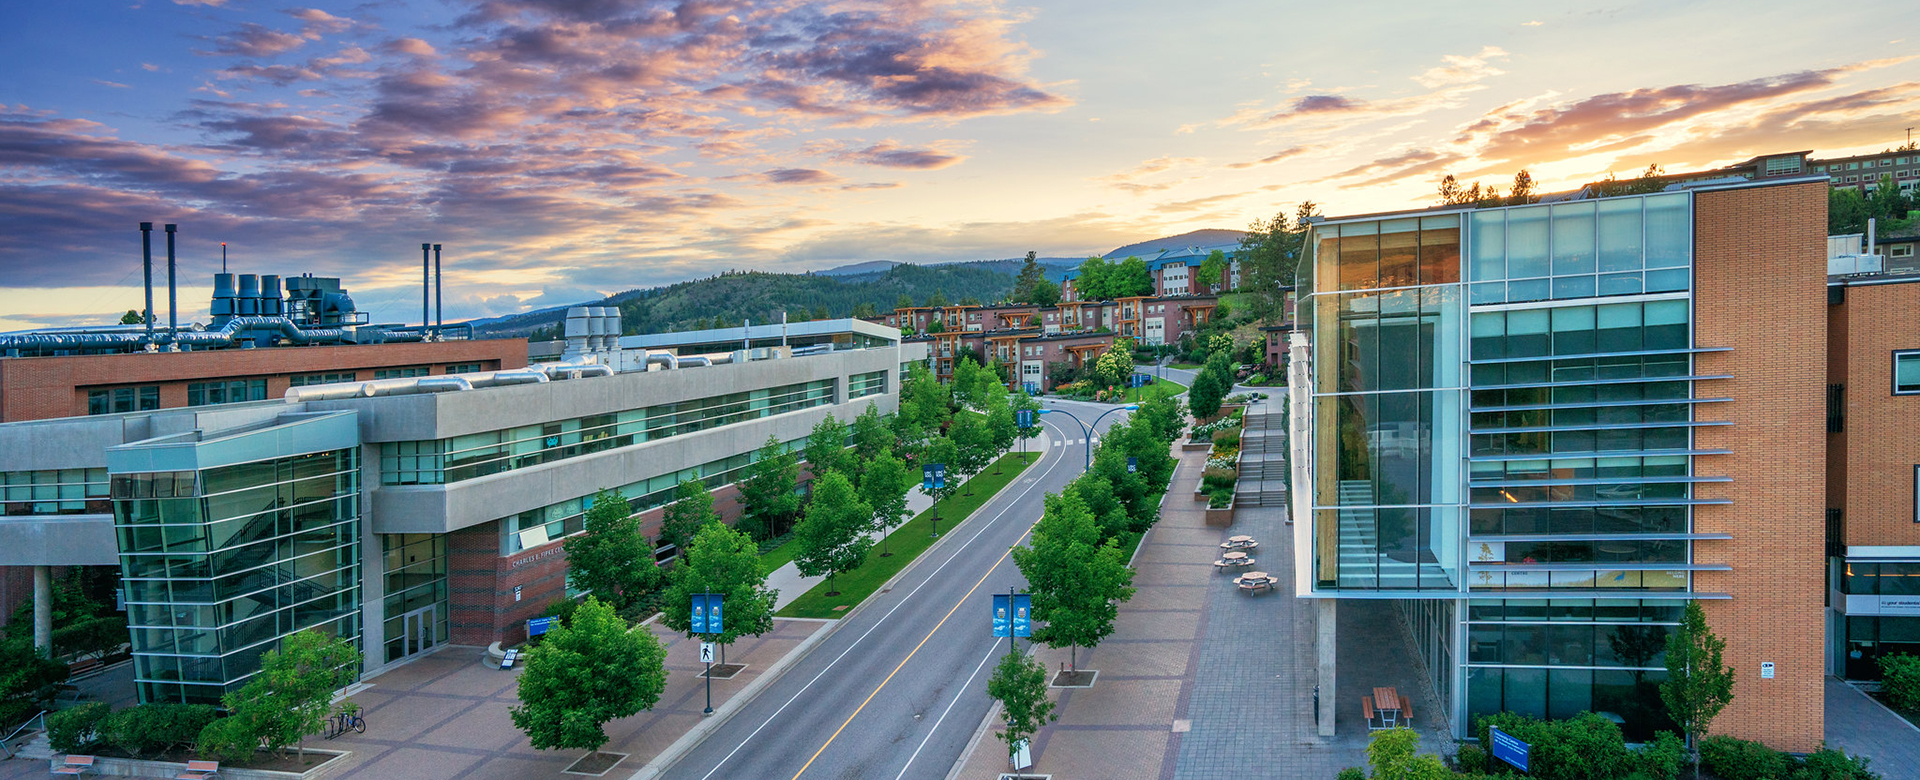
x=1858, y=724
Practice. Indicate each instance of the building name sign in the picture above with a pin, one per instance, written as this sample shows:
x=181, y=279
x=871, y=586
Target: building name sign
x=1900, y=605
x=536, y=557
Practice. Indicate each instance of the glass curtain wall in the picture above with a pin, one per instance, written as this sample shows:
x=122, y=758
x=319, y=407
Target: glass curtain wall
x=1559, y=658
x=416, y=578
x=220, y=564
x=1389, y=320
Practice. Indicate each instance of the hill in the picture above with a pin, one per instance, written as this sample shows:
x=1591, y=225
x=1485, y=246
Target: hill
x=1204, y=237
x=1055, y=267
x=735, y=296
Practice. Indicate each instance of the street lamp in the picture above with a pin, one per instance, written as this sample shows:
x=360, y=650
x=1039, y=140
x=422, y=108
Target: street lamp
x=1088, y=430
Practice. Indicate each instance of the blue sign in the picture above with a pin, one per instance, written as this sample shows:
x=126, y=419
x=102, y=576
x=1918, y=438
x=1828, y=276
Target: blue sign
x=1510, y=749
x=539, y=625
x=1133, y=464
x=1024, y=417
x=933, y=476
x=1033, y=388
x=706, y=614
x=1012, y=618
x=1139, y=379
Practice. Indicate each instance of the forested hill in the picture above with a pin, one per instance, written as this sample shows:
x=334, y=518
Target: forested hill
x=729, y=298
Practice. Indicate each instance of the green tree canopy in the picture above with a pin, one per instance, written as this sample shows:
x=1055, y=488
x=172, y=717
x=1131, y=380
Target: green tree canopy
x=1269, y=254
x=1129, y=278
x=724, y=561
x=1019, y=683
x=1030, y=278
x=691, y=510
x=1046, y=294
x=937, y=298
x=827, y=446
x=610, y=557
x=1091, y=282
x=1213, y=273
x=583, y=675
x=767, y=490
x=132, y=317
x=292, y=694
x=1076, y=579
x=884, y=484
x=904, y=301
x=1699, y=684
x=1114, y=365
x=973, y=445
x=833, y=534
x=871, y=434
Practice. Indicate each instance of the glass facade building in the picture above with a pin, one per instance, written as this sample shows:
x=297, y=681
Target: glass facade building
x=1502, y=422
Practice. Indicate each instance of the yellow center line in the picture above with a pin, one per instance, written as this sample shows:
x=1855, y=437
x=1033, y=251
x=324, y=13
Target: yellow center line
x=903, y=661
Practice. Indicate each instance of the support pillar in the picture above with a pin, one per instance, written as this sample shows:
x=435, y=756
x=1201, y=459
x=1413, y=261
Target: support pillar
x=43, y=608
x=1324, y=658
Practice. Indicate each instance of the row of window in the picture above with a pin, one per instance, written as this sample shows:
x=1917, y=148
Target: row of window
x=1579, y=330
x=144, y=398
x=226, y=392
x=1390, y=253
x=492, y=452
x=1613, y=246
x=52, y=491
x=870, y=383
x=1579, y=579
x=1578, y=520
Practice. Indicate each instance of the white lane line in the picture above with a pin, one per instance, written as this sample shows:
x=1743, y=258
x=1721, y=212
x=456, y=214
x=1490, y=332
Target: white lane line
x=991, y=649
x=876, y=625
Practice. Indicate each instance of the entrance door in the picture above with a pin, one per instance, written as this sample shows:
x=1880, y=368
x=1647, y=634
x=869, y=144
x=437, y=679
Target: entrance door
x=418, y=626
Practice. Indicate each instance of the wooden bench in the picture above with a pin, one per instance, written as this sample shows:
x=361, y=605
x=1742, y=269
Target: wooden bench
x=200, y=770
x=1374, y=722
x=73, y=766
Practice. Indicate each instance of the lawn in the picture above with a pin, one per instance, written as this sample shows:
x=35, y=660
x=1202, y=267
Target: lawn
x=779, y=556
x=906, y=543
x=1186, y=366
x=1162, y=388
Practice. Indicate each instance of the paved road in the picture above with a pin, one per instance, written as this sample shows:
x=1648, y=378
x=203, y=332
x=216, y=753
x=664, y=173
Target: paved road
x=1185, y=376
x=898, y=690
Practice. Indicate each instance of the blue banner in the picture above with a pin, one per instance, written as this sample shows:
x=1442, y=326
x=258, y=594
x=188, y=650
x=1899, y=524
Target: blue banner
x=1022, y=615
x=933, y=476
x=1025, y=418
x=1133, y=464
x=714, y=626
x=706, y=614
x=1510, y=749
x=539, y=625
x=699, y=614
x=1002, y=615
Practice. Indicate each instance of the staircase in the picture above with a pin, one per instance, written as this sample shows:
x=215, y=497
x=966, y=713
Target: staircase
x=1362, y=565
x=1263, y=458
x=36, y=748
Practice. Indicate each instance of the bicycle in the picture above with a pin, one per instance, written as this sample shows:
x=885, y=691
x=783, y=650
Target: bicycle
x=345, y=721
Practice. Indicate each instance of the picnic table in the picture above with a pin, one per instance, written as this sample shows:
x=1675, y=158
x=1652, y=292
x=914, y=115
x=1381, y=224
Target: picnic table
x=1239, y=543
x=1385, y=709
x=1255, y=581
x=1235, y=558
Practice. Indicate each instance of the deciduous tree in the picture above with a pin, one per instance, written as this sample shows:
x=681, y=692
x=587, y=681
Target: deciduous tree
x=583, y=675
x=724, y=561
x=1077, y=581
x=610, y=557
x=767, y=491
x=691, y=510
x=884, y=484
x=1019, y=683
x=1129, y=278
x=871, y=434
x=833, y=534
x=1699, y=685
x=1213, y=273
x=827, y=446
x=1269, y=254
x=292, y=694
x=1091, y=281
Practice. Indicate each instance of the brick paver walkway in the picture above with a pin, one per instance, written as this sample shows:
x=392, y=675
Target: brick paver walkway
x=1859, y=725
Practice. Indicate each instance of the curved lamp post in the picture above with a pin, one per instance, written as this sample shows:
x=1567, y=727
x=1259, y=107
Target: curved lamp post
x=1088, y=430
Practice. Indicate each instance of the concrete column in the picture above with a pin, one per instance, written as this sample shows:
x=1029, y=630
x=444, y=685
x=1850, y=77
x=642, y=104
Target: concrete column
x=43, y=608
x=1324, y=656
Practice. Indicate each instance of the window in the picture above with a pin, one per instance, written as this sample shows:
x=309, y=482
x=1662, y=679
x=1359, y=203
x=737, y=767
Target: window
x=1900, y=250
x=402, y=372
x=304, y=380
x=1782, y=165
x=464, y=368
x=1906, y=372
x=871, y=383
x=226, y=392
x=123, y=399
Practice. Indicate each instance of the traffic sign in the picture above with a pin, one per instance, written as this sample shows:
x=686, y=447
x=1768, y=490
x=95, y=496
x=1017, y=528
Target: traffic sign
x=706, y=652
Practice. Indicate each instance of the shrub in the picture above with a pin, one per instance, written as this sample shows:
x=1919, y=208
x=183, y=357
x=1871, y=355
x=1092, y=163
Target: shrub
x=1582, y=747
x=1220, y=499
x=1662, y=758
x=155, y=728
x=1829, y=764
x=1351, y=773
x=1227, y=438
x=1470, y=758
x=1901, y=679
x=228, y=741
x=76, y=729
x=1738, y=759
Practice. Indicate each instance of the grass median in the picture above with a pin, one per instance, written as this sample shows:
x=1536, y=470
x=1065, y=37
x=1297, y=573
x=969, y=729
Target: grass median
x=907, y=543
x=1160, y=388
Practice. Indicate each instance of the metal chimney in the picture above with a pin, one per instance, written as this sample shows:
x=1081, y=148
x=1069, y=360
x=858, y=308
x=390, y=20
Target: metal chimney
x=426, y=285
x=439, y=307
x=146, y=267
x=173, y=296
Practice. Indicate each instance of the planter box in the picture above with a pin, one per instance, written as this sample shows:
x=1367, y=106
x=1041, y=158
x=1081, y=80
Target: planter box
x=1221, y=518
x=1196, y=446
x=105, y=766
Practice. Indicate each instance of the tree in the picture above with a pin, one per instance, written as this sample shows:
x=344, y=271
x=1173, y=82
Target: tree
x=865, y=309
x=1019, y=683
x=132, y=317
x=1076, y=579
x=1092, y=280
x=1028, y=283
x=292, y=694
x=970, y=300
x=1213, y=273
x=937, y=298
x=1649, y=181
x=1522, y=192
x=583, y=675
x=724, y=561
x=973, y=446
x=1129, y=278
x=903, y=301
x=1114, y=365
x=942, y=450
x=767, y=490
x=691, y=510
x=883, y=486
x=1452, y=194
x=27, y=677
x=970, y=380
x=1046, y=294
x=1394, y=754
x=610, y=557
x=1211, y=385
x=1269, y=255
x=871, y=436
x=1698, y=683
x=827, y=446
x=833, y=534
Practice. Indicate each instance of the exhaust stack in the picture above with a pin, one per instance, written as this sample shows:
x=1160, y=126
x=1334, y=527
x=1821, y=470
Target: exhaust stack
x=426, y=285
x=173, y=296
x=146, y=267
x=439, y=307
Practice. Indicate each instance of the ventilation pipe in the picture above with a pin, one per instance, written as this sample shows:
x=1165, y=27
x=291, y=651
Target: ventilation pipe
x=271, y=304
x=596, y=330
x=1872, y=228
x=173, y=296
x=248, y=302
x=146, y=267
x=667, y=359
x=439, y=306
x=576, y=331
x=426, y=285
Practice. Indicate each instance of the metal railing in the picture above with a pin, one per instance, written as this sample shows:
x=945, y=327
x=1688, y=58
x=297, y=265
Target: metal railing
x=6, y=745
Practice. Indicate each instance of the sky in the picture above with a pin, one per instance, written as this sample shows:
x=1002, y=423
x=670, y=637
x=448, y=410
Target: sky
x=560, y=150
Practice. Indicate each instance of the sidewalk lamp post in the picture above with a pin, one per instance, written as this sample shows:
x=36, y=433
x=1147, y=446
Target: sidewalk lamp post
x=1088, y=430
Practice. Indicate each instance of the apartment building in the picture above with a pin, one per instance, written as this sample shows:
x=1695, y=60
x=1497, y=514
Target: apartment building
x=410, y=512
x=1541, y=430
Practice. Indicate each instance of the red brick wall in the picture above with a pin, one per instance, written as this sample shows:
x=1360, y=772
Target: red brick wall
x=1876, y=473
x=38, y=388
x=1760, y=289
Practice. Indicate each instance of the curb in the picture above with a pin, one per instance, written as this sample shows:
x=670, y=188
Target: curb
x=699, y=733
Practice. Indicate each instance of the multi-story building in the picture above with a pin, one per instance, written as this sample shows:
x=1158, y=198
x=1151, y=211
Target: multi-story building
x=409, y=512
x=1176, y=272
x=1857, y=172
x=1543, y=429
